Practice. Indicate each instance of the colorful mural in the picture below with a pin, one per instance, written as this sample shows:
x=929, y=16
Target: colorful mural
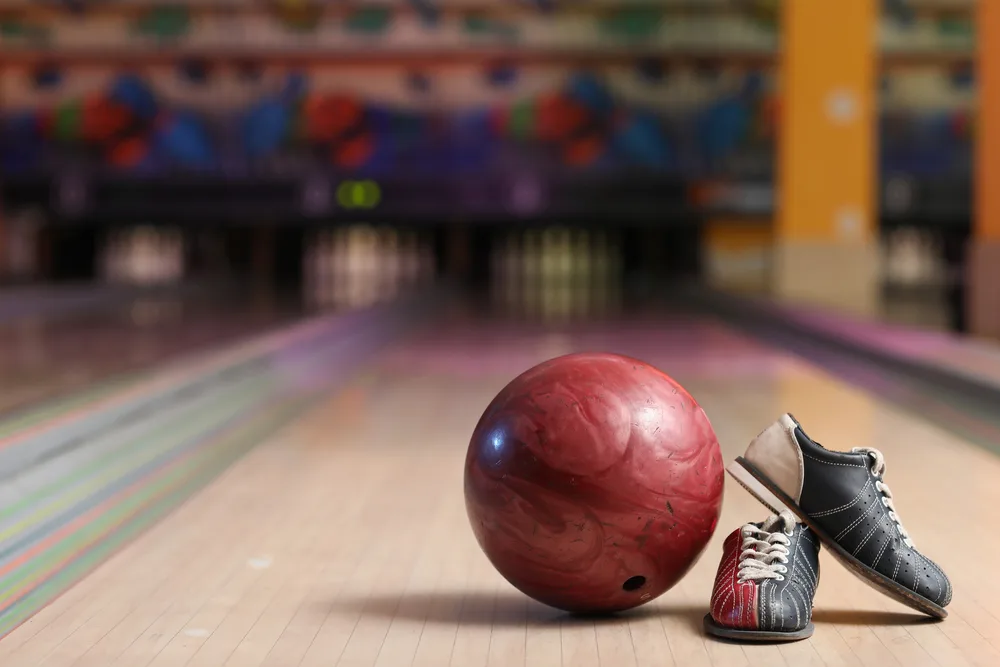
x=444, y=87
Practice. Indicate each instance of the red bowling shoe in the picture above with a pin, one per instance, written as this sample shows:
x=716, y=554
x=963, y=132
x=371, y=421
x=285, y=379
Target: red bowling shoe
x=766, y=581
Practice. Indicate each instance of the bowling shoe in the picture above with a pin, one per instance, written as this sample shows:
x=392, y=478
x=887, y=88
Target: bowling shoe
x=766, y=581
x=842, y=497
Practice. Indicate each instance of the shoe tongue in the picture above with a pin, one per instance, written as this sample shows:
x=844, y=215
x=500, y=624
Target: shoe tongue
x=778, y=522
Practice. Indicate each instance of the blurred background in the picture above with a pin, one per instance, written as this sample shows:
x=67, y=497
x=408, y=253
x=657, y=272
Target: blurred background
x=486, y=142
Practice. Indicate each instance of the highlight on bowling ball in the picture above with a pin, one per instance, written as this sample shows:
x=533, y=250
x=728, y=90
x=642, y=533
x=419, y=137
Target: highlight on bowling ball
x=593, y=482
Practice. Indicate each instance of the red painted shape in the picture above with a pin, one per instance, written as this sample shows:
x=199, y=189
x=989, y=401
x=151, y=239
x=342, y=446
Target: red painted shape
x=593, y=482
x=734, y=604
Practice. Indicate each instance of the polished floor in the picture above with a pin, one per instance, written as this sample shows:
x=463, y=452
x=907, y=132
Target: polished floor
x=344, y=540
x=46, y=356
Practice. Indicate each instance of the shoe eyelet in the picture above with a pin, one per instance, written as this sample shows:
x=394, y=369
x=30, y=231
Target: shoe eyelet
x=780, y=578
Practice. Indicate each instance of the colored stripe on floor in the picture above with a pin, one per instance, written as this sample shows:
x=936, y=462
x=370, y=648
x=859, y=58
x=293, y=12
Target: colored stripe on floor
x=66, y=513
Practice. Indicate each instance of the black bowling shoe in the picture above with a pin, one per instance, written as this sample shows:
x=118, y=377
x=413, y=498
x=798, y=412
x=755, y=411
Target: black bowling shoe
x=842, y=498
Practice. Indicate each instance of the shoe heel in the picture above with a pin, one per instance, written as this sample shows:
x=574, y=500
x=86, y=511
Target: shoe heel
x=758, y=490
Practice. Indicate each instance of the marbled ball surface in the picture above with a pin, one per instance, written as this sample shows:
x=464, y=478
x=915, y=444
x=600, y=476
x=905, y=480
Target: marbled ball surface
x=593, y=482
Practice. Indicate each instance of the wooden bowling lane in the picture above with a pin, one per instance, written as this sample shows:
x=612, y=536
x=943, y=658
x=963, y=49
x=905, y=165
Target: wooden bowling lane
x=44, y=357
x=344, y=541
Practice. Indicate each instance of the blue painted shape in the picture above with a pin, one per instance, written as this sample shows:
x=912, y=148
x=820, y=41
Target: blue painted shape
x=131, y=91
x=591, y=92
x=184, y=141
x=641, y=140
x=723, y=126
x=266, y=127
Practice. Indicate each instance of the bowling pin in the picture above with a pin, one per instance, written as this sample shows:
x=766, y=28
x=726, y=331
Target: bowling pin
x=908, y=266
x=600, y=278
x=563, y=251
x=513, y=272
x=178, y=255
x=547, y=273
x=616, y=277
x=336, y=276
x=137, y=256
x=147, y=260
x=357, y=263
x=409, y=261
x=581, y=274
x=377, y=264
x=530, y=262
x=169, y=256
x=158, y=248
x=371, y=271
x=135, y=262
x=390, y=270
x=354, y=265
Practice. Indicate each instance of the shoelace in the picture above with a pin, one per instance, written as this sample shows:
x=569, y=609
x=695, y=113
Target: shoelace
x=765, y=548
x=878, y=469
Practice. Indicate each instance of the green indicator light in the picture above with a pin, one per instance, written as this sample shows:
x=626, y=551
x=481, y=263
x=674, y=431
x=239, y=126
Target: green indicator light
x=359, y=194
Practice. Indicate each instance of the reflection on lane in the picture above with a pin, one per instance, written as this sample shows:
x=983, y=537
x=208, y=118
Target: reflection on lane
x=41, y=358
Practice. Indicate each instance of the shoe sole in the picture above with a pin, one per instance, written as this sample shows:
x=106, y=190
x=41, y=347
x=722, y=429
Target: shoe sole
x=759, y=636
x=770, y=495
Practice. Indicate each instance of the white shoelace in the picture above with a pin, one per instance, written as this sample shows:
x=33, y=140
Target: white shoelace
x=765, y=548
x=878, y=469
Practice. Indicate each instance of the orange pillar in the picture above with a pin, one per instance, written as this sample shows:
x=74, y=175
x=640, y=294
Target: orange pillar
x=826, y=248
x=984, y=256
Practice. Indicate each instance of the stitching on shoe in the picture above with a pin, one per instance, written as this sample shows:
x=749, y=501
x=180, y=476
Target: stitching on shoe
x=888, y=539
x=802, y=555
x=857, y=522
x=805, y=605
x=832, y=463
x=869, y=535
x=843, y=507
x=943, y=577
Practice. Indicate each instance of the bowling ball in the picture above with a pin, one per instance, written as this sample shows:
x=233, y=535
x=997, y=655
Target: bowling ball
x=593, y=482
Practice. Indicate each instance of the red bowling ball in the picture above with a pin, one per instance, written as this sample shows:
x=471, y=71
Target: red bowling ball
x=593, y=482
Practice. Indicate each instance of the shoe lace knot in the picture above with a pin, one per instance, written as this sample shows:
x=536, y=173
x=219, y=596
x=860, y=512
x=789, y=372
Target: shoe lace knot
x=878, y=469
x=765, y=548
